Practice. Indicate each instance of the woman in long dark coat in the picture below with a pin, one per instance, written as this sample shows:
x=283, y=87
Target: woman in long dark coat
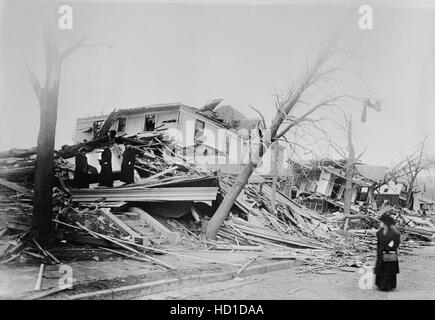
x=127, y=165
x=81, y=170
x=387, y=264
x=106, y=173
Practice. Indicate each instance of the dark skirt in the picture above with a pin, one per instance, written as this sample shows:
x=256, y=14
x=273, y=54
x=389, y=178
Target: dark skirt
x=386, y=282
x=81, y=180
x=106, y=176
x=127, y=173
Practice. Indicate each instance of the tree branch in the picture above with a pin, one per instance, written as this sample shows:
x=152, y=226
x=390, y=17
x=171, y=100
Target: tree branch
x=304, y=116
x=261, y=115
x=35, y=84
x=73, y=47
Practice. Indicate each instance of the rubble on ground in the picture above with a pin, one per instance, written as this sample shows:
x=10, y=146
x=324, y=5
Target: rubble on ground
x=171, y=202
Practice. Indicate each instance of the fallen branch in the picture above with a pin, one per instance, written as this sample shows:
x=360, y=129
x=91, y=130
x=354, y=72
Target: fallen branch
x=154, y=260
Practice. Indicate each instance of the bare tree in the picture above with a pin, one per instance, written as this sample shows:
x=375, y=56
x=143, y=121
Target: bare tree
x=47, y=95
x=351, y=159
x=411, y=168
x=408, y=170
x=284, y=115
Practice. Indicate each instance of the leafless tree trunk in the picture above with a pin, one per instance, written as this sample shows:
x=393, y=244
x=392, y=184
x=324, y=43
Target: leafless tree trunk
x=48, y=102
x=414, y=167
x=350, y=164
x=274, y=156
x=351, y=159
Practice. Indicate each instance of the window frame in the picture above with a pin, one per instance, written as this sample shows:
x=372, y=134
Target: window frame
x=97, y=128
x=195, y=136
x=124, y=124
x=145, y=122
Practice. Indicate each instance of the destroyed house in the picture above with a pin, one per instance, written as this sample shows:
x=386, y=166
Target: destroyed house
x=393, y=192
x=186, y=126
x=212, y=139
x=396, y=195
x=321, y=184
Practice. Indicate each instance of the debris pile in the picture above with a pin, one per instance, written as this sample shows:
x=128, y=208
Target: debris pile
x=170, y=203
x=18, y=164
x=110, y=218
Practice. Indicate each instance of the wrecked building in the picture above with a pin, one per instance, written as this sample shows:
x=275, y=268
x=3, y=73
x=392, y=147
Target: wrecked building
x=320, y=184
x=218, y=138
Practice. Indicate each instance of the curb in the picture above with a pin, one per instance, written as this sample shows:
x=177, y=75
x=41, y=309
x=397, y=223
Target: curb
x=143, y=289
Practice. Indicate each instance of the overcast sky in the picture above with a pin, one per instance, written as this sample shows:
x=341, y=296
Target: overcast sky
x=243, y=51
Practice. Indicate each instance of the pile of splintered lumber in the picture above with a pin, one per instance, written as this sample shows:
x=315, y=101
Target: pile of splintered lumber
x=83, y=216
x=408, y=223
x=290, y=224
x=415, y=227
x=17, y=164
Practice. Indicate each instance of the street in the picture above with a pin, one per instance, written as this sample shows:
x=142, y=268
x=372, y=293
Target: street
x=414, y=282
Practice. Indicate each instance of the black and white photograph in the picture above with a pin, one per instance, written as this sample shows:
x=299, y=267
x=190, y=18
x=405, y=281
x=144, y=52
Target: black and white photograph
x=230, y=152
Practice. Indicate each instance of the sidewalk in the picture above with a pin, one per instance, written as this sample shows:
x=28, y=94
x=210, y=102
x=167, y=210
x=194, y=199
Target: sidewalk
x=17, y=282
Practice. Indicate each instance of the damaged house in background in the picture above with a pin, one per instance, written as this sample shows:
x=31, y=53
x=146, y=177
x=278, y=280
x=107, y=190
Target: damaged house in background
x=320, y=184
x=395, y=193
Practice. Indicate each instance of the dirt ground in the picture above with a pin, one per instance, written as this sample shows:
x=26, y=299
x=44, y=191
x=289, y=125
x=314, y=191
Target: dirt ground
x=415, y=281
x=17, y=280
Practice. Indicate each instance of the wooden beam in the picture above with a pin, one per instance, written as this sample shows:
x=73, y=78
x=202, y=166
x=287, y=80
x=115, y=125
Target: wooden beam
x=39, y=278
x=15, y=187
x=151, y=259
x=173, y=237
x=162, y=173
x=194, y=213
x=121, y=225
x=45, y=293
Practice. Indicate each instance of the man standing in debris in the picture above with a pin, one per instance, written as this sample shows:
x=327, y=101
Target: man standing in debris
x=127, y=166
x=387, y=264
x=81, y=171
x=106, y=173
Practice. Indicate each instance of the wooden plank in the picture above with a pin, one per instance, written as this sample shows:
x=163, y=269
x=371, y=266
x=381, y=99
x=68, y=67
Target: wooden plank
x=274, y=224
x=39, y=278
x=173, y=237
x=45, y=293
x=154, y=177
x=290, y=242
x=162, y=251
x=129, y=256
x=194, y=213
x=93, y=204
x=185, y=229
x=46, y=252
x=3, y=232
x=154, y=260
x=143, y=194
x=15, y=187
x=119, y=223
x=238, y=248
x=80, y=239
x=17, y=171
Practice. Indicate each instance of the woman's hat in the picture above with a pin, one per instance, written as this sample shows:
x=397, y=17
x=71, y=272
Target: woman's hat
x=388, y=220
